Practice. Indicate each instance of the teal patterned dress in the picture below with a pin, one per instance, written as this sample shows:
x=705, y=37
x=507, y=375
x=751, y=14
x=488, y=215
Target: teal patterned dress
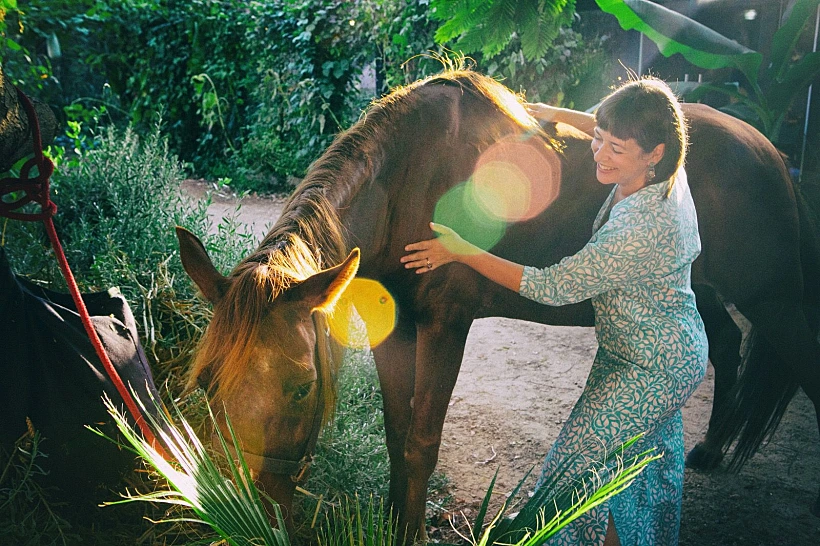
x=652, y=354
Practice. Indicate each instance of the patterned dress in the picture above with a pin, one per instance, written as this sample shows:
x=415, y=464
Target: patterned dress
x=652, y=354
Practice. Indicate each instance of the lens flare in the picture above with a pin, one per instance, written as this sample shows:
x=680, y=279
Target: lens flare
x=364, y=315
x=517, y=179
x=461, y=210
x=502, y=189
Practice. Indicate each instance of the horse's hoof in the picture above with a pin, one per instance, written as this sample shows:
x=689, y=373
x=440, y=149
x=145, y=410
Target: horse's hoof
x=702, y=458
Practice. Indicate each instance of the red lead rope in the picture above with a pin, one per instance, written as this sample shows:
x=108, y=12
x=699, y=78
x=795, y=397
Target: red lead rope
x=37, y=190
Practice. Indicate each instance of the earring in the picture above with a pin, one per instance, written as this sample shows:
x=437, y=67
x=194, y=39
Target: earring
x=650, y=172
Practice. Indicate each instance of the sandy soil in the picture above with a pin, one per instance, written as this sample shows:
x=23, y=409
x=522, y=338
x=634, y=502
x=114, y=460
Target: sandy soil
x=517, y=385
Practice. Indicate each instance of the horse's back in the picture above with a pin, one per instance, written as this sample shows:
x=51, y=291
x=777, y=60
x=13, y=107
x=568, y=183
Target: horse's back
x=747, y=213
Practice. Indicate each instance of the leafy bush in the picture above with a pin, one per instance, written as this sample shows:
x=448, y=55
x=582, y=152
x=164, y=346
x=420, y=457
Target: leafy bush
x=308, y=74
x=118, y=204
x=569, y=74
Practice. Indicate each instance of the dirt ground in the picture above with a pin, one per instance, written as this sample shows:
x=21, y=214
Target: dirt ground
x=517, y=385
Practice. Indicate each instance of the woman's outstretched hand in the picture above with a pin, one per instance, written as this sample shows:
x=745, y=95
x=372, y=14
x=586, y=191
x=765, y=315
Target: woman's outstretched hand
x=428, y=255
x=541, y=111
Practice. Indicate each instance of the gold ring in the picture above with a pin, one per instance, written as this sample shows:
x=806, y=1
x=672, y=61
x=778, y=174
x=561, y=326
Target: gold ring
x=429, y=265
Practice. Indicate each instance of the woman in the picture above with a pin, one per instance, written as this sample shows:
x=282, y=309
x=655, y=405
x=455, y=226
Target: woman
x=637, y=269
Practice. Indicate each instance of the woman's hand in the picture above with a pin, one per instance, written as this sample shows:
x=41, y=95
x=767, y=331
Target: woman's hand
x=427, y=255
x=541, y=111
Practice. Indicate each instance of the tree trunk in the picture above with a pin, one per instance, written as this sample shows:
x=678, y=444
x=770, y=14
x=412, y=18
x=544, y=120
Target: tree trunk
x=15, y=132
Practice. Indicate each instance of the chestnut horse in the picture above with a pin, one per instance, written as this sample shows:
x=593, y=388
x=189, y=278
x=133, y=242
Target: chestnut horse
x=266, y=356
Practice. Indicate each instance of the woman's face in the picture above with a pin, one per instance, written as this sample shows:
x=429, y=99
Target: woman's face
x=622, y=162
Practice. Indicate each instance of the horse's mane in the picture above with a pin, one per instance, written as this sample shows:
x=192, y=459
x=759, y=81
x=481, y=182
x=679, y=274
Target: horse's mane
x=309, y=236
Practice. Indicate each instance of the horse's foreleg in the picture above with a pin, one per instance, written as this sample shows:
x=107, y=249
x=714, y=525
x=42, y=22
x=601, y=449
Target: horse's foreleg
x=724, y=354
x=396, y=363
x=438, y=359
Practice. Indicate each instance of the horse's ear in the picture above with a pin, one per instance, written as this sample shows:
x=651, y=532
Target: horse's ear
x=199, y=266
x=322, y=290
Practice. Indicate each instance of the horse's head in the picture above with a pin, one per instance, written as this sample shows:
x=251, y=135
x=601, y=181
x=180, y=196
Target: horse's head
x=266, y=358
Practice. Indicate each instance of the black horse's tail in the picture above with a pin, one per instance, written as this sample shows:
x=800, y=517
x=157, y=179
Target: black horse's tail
x=757, y=402
x=764, y=388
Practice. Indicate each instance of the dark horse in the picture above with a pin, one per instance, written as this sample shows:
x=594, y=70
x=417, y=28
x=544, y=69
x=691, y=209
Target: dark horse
x=266, y=353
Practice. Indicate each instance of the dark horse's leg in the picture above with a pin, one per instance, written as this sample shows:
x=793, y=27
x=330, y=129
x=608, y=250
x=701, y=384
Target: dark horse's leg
x=724, y=354
x=396, y=364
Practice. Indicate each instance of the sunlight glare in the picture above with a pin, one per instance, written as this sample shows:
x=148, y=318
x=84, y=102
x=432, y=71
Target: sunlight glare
x=517, y=179
x=514, y=180
x=364, y=315
x=461, y=210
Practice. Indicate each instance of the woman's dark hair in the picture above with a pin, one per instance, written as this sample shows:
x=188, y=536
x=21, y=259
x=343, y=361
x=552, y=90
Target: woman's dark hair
x=647, y=111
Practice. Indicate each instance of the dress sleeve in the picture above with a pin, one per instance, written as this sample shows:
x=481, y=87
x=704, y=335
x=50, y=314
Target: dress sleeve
x=624, y=250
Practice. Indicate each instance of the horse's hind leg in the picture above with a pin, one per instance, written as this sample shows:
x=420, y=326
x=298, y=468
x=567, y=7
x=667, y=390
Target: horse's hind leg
x=724, y=353
x=395, y=361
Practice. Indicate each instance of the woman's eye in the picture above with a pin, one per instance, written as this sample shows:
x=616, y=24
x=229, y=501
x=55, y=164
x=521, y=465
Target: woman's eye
x=302, y=392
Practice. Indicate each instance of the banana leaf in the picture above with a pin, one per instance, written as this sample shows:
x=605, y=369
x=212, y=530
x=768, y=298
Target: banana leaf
x=774, y=88
x=676, y=33
x=785, y=39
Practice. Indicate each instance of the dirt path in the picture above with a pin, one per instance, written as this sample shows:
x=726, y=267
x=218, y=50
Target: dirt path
x=517, y=385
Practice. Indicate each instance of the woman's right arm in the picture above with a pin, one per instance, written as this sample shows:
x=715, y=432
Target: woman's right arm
x=580, y=120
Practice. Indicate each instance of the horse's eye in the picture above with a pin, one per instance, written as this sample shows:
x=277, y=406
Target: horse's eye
x=302, y=391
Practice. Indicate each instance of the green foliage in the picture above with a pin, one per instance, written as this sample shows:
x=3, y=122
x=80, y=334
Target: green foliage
x=24, y=69
x=154, y=50
x=766, y=95
x=348, y=525
x=490, y=26
x=306, y=75
x=561, y=499
x=402, y=35
x=530, y=45
x=571, y=69
x=355, y=434
x=27, y=517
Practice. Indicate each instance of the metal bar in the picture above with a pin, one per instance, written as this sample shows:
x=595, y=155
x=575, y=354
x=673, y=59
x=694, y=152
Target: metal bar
x=808, y=103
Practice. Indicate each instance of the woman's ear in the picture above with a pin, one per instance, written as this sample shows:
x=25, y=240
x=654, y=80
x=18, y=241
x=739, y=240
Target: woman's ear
x=656, y=155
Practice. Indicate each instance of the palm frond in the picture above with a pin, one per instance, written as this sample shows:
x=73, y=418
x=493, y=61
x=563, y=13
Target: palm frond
x=231, y=506
x=553, y=506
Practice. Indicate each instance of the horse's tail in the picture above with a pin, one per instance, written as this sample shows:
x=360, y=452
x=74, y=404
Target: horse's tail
x=757, y=402
x=764, y=388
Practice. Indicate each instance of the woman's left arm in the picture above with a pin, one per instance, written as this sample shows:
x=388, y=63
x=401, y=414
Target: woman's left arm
x=449, y=247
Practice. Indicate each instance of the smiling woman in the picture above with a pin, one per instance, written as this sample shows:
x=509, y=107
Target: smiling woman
x=652, y=342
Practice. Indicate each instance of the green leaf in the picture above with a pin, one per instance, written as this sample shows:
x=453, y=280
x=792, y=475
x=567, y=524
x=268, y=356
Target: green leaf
x=12, y=45
x=676, y=33
x=794, y=82
x=786, y=36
